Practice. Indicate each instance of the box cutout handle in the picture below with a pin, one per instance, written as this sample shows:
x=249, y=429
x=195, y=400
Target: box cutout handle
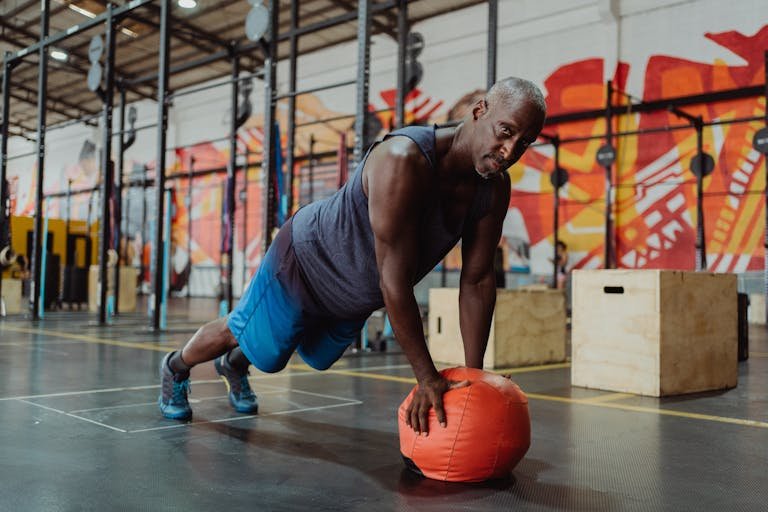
x=613, y=289
x=439, y=325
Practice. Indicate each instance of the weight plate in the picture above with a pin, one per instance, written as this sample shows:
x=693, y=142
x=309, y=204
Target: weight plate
x=256, y=22
x=96, y=48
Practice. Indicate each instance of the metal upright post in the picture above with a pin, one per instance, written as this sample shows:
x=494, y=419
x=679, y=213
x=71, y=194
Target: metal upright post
x=119, y=197
x=291, y=143
x=5, y=213
x=127, y=231
x=231, y=168
x=42, y=95
x=190, y=174
x=144, y=235
x=556, y=223
x=311, y=167
x=608, y=250
x=268, y=159
x=765, y=194
x=69, y=210
x=493, y=29
x=402, y=41
x=108, y=170
x=363, y=75
x=162, y=126
x=701, y=249
x=245, y=221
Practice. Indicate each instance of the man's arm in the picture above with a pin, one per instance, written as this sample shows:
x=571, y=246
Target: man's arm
x=398, y=179
x=477, y=288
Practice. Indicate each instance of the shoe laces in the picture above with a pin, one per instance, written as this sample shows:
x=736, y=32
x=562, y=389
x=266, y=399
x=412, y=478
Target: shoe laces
x=180, y=391
x=246, y=393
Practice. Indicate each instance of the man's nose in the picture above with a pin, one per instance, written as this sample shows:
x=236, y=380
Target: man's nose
x=508, y=148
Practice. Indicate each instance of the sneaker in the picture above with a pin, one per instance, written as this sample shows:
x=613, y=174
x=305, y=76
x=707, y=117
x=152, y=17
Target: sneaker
x=241, y=396
x=173, y=394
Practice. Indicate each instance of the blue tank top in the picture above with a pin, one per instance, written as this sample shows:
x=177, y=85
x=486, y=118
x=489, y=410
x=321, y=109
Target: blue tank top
x=334, y=243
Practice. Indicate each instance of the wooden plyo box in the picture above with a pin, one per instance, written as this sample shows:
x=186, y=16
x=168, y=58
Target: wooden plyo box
x=127, y=300
x=528, y=328
x=12, y=295
x=757, y=308
x=654, y=332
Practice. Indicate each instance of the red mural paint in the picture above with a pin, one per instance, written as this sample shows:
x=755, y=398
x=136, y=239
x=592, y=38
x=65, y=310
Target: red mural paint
x=655, y=203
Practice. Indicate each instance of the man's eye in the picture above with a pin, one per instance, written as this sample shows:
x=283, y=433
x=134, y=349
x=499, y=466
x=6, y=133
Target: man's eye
x=506, y=132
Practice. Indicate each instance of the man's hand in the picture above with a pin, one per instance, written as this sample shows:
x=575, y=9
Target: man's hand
x=429, y=394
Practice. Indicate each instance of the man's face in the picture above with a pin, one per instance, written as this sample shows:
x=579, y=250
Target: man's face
x=503, y=134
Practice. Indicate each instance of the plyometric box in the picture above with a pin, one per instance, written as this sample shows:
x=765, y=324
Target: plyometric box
x=528, y=328
x=654, y=332
x=12, y=295
x=127, y=299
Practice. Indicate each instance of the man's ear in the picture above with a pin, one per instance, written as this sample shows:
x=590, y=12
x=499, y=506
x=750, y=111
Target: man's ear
x=480, y=108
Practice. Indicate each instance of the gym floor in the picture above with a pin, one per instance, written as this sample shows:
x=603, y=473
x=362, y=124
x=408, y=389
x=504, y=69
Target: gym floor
x=80, y=430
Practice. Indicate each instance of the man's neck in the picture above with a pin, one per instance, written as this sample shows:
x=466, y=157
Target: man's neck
x=453, y=153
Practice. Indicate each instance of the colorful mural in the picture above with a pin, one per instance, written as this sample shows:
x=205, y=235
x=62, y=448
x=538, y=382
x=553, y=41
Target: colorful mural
x=654, y=203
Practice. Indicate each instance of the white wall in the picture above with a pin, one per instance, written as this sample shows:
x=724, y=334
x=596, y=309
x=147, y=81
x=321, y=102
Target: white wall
x=535, y=39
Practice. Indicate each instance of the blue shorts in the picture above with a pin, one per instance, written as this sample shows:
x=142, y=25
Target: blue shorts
x=277, y=315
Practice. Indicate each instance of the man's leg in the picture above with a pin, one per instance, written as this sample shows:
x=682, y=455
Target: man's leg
x=263, y=329
x=326, y=343
x=214, y=340
x=209, y=342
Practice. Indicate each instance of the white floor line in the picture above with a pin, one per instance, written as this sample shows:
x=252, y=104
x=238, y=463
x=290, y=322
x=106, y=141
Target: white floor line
x=124, y=406
x=37, y=343
x=74, y=416
x=83, y=392
x=192, y=400
x=293, y=390
x=239, y=418
x=152, y=386
x=382, y=367
x=208, y=381
x=46, y=350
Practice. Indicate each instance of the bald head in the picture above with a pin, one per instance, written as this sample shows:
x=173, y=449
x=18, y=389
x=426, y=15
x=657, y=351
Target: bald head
x=503, y=125
x=508, y=91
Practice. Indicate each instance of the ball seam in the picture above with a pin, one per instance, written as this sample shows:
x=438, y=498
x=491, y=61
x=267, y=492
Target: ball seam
x=458, y=430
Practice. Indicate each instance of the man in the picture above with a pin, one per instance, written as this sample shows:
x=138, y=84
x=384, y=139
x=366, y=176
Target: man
x=411, y=199
x=561, y=253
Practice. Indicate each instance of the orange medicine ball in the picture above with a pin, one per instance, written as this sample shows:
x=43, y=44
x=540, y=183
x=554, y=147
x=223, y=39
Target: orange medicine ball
x=488, y=430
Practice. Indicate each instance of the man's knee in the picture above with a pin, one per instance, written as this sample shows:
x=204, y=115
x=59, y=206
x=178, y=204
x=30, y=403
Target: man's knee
x=227, y=334
x=271, y=365
x=319, y=365
x=219, y=330
x=317, y=359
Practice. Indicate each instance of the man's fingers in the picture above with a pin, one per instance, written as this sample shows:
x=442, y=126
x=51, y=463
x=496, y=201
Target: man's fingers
x=414, y=418
x=408, y=414
x=458, y=384
x=424, y=418
x=440, y=411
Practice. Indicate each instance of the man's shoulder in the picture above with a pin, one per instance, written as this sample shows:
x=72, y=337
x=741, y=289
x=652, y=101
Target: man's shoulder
x=495, y=196
x=503, y=184
x=400, y=157
x=402, y=148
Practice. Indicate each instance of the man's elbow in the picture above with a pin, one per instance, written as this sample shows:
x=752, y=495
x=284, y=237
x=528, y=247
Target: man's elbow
x=391, y=289
x=472, y=279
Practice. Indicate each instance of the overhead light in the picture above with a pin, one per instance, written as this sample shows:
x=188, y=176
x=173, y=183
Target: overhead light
x=129, y=32
x=256, y=21
x=60, y=55
x=87, y=14
x=188, y=4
